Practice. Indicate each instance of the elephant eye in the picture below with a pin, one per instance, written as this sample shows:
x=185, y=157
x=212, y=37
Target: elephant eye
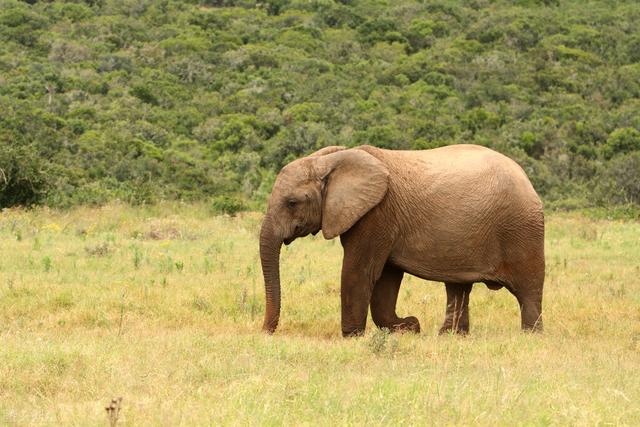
x=291, y=203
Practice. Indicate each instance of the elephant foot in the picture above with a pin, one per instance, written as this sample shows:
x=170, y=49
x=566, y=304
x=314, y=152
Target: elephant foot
x=351, y=333
x=407, y=324
x=536, y=327
x=460, y=330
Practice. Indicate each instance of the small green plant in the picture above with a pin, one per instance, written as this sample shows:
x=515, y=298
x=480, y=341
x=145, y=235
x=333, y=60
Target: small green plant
x=167, y=264
x=208, y=265
x=179, y=265
x=47, y=263
x=63, y=300
x=137, y=257
x=227, y=205
x=378, y=341
x=201, y=304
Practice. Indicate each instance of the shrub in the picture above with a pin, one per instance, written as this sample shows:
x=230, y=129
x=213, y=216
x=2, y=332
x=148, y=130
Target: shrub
x=621, y=141
x=620, y=180
x=23, y=176
x=144, y=94
x=229, y=205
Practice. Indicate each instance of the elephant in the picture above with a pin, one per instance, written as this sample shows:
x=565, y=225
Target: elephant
x=459, y=214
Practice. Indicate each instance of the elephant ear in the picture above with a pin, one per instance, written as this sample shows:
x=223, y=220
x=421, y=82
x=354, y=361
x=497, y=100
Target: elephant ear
x=327, y=150
x=354, y=182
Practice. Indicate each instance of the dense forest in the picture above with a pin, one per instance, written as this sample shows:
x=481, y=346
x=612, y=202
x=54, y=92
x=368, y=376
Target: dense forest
x=143, y=100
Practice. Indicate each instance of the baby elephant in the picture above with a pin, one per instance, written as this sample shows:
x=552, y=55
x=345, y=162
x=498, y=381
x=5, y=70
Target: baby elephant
x=459, y=214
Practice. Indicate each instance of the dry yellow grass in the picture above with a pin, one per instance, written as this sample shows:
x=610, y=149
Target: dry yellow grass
x=162, y=306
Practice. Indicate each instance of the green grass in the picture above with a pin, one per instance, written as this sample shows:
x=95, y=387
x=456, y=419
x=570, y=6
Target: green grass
x=162, y=306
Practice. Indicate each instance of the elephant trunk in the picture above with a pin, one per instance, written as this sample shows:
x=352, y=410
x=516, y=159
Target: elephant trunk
x=270, y=246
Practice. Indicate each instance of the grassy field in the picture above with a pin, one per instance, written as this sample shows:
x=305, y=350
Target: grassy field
x=162, y=306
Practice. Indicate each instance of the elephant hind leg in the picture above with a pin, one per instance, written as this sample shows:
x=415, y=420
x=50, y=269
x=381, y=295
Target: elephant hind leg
x=531, y=312
x=457, y=316
x=526, y=283
x=530, y=301
x=384, y=299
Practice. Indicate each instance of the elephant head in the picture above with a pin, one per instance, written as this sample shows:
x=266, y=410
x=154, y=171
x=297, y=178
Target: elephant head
x=329, y=190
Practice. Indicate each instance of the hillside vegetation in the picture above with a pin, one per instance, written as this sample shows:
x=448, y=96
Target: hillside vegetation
x=162, y=305
x=143, y=100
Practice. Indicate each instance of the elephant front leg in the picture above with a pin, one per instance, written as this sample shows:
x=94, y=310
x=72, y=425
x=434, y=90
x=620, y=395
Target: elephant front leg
x=364, y=259
x=355, y=294
x=384, y=299
x=457, y=316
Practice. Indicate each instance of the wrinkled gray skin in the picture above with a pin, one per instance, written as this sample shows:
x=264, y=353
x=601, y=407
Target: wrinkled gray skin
x=459, y=214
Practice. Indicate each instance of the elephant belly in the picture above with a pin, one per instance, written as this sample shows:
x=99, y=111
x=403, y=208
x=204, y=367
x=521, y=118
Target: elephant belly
x=447, y=262
x=443, y=271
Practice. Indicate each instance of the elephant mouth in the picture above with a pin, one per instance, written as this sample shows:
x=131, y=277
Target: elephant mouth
x=300, y=231
x=297, y=232
x=291, y=239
